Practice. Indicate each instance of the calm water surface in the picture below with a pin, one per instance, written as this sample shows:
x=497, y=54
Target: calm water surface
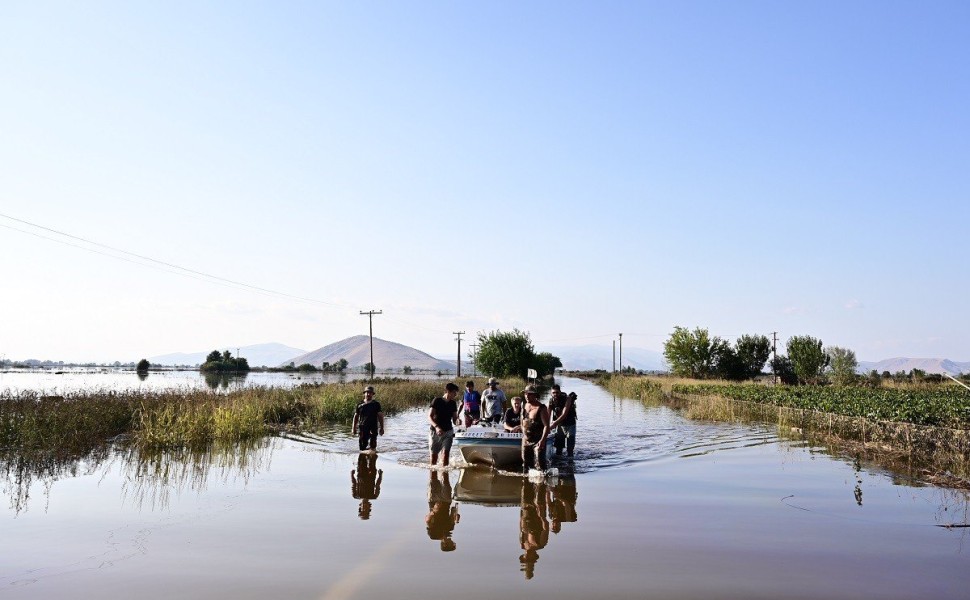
x=653, y=506
x=71, y=380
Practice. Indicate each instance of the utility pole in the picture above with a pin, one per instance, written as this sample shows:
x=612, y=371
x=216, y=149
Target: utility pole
x=459, y=334
x=474, y=359
x=774, y=357
x=370, y=317
x=621, y=353
x=614, y=356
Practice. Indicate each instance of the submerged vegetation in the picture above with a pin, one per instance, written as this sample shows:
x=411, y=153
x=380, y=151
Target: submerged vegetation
x=929, y=425
x=75, y=423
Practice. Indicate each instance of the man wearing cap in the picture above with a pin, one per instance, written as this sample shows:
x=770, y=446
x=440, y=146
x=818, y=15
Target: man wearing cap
x=369, y=419
x=493, y=403
x=535, y=430
x=443, y=415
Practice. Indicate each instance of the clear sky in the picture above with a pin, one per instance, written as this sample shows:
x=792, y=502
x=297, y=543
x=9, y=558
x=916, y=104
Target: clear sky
x=572, y=169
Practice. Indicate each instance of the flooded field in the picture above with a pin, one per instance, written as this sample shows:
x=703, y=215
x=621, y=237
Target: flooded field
x=652, y=506
x=82, y=379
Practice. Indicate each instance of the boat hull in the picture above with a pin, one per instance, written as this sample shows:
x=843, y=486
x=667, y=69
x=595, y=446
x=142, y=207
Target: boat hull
x=493, y=448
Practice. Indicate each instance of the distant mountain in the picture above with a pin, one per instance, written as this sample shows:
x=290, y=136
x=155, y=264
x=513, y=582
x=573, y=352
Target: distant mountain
x=929, y=365
x=592, y=357
x=387, y=355
x=258, y=355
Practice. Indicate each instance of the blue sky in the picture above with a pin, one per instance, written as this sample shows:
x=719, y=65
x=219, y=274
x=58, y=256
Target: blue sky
x=572, y=169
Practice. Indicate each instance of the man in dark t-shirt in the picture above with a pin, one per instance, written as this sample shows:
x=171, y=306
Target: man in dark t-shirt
x=443, y=416
x=369, y=419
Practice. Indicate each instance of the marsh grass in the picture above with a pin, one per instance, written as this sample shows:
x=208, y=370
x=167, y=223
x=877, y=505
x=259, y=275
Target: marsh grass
x=72, y=425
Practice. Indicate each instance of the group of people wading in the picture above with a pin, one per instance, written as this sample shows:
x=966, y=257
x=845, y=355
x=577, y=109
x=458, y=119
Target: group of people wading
x=532, y=418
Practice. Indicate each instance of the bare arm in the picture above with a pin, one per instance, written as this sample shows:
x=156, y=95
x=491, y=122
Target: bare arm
x=380, y=422
x=565, y=411
x=544, y=415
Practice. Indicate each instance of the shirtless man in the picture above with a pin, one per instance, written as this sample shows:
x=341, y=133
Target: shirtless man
x=535, y=430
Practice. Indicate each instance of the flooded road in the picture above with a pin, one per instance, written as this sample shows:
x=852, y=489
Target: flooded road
x=652, y=506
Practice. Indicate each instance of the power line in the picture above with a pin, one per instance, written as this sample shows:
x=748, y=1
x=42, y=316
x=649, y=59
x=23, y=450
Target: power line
x=180, y=270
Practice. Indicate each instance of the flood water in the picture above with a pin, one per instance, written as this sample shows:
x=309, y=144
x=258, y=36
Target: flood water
x=652, y=506
x=82, y=379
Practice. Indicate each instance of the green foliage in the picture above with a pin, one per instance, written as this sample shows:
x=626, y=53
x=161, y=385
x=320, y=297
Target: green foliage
x=338, y=367
x=693, y=353
x=369, y=368
x=143, y=366
x=217, y=362
x=546, y=364
x=408, y=370
x=943, y=406
x=306, y=368
x=752, y=352
x=807, y=357
x=842, y=365
x=784, y=370
x=505, y=353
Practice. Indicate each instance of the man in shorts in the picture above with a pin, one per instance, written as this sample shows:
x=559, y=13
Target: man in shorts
x=472, y=404
x=443, y=416
x=369, y=420
x=535, y=430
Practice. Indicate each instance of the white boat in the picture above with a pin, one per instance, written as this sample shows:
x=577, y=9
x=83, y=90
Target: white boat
x=486, y=445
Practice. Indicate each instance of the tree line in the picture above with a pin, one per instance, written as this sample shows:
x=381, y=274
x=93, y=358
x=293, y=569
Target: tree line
x=699, y=355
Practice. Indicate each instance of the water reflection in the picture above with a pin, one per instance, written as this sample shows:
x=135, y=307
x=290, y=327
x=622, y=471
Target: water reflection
x=142, y=375
x=442, y=511
x=152, y=478
x=216, y=380
x=544, y=505
x=21, y=471
x=365, y=482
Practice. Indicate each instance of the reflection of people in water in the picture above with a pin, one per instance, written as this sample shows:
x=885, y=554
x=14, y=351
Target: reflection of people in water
x=365, y=483
x=442, y=516
x=533, y=525
x=562, y=508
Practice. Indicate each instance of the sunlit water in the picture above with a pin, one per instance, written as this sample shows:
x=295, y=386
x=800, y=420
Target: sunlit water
x=72, y=380
x=652, y=506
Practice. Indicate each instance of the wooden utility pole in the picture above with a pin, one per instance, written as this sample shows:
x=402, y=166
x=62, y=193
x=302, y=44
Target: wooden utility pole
x=774, y=357
x=459, y=334
x=621, y=353
x=370, y=317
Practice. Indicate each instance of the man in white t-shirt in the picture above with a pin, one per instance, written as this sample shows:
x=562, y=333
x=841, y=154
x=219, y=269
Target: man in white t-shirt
x=493, y=403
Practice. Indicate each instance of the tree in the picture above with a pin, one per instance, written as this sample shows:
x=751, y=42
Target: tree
x=753, y=352
x=505, y=353
x=369, y=368
x=842, y=365
x=782, y=367
x=214, y=356
x=807, y=358
x=727, y=363
x=143, y=366
x=546, y=364
x=692, y=353
x=408, y=370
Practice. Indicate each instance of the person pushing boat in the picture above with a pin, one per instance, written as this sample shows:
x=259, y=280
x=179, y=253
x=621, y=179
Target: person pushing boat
x=535, y=430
